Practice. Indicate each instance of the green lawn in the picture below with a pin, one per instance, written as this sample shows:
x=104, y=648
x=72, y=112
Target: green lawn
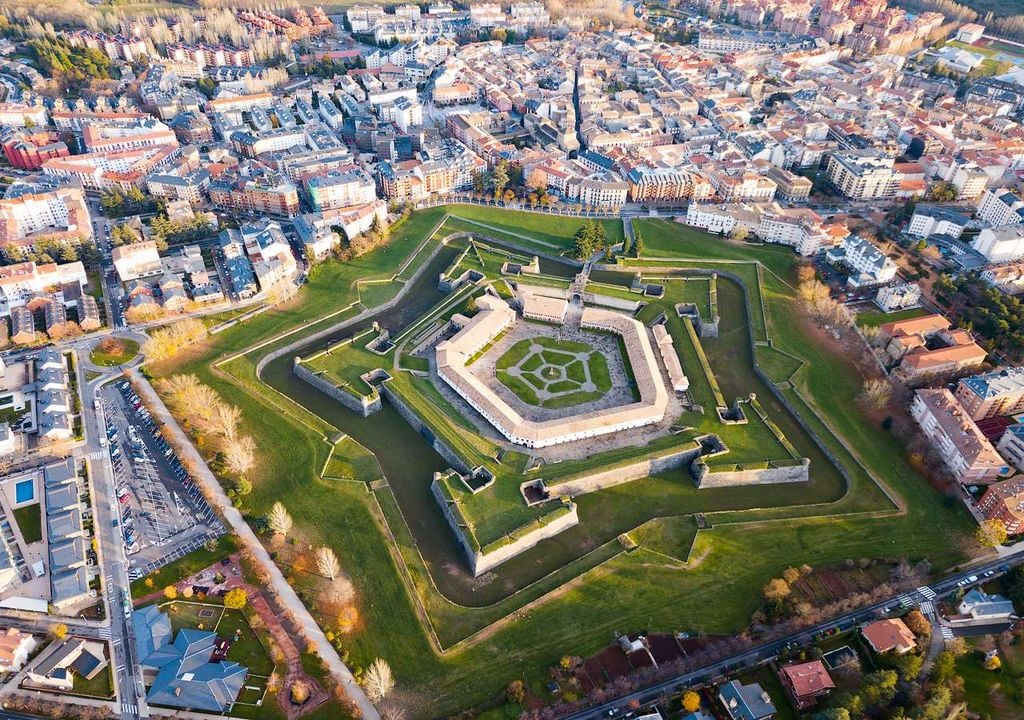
x=823, y=523
x=101, y=686
x=556, y=369
x=30, y=521
x=874, y=318
x=128, y=349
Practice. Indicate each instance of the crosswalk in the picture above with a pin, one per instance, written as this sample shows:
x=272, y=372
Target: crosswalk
x=129, y=709
x=946, y=632
x=104, y=633
x=928, y=593
x=928, y=607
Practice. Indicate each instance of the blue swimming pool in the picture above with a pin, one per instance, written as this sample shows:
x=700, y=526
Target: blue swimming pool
x=24, y=491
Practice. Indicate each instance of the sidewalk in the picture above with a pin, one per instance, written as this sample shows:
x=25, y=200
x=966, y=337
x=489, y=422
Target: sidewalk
x=283, y=592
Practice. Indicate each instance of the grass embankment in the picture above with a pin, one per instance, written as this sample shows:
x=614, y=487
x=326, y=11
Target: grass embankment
x=642, y=590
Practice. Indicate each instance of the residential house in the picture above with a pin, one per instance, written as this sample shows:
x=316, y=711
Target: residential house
x=978, y=607
x=806, y=682
x=928, y=347
x=746, y=702
x=1004, y=500
x=15, y=647
x=889, y=635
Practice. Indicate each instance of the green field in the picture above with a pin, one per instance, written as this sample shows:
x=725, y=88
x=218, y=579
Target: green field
x=442, y=665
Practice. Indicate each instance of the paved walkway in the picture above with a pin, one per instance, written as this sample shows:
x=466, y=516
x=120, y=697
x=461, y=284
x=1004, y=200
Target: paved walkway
x=285, y=594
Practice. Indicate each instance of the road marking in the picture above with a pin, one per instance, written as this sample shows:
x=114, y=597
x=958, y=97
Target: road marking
x=927, y=592
x=947, y=633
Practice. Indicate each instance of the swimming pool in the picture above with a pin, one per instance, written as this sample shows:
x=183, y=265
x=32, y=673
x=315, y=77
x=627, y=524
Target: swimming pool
x=24, y=491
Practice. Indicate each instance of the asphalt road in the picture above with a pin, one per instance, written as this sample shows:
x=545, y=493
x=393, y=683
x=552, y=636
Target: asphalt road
x=769, y=651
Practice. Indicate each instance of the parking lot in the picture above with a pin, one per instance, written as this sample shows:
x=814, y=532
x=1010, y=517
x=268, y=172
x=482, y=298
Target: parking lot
x=161, y=513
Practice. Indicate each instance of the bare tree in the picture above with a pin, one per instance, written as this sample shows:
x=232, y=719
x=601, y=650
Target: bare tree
x=240, y=455
x=378, y=680
x=279, y=519
x=327, y=563
x=227, y=417
x=876, y=393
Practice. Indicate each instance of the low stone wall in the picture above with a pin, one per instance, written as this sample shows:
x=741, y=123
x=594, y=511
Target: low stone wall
x=482, y=563
x=624, y=474
x=440, y=447
x=479, y=562
x=364, y=406
x=705, y=478
x=596, y=298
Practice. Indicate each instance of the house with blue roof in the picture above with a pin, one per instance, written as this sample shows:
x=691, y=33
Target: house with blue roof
x=181, y=673
x=746, y=702
x=977, y=606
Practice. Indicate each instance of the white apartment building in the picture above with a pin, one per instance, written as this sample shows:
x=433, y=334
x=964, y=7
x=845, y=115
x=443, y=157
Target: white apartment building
x=1001, y=244
x=969, y=180
x=136, y=261
x=898, y=296
x=533, y=14
x=340, y=189
x=22, y=281
x=363, y=18
x=487, y=15
x=719, y=218
x=867, y=264
x=61, y=211
x=596, y=192
x=799, y=228
x=931, y=220
x=862, y=175
x=999, y=207
x=19, y=115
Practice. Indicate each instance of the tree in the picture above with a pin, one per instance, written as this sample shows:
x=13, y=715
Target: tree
x=515, y=692
x=776, y=590
x=170, y=592
x=991, y=533
x=239, y=455
x=791, y=575
x=918, y=623
x=59, y=631
x=638, y=245
x=235, y=599
x=378, y=680
x=739, y=233
x=499, y=177
x=327, y=563
x=876, y=393
x=279, y=520
x=993, y=662
x=691, y=701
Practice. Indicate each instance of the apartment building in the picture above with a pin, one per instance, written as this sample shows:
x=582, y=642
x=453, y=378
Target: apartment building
x=999, y=207
x=863, y=175
x=122, y=169
x=963, y=448
x=20, y=282
x=993, y=394
x=255, y=188
x=26, y=215
x=898, y=296
x=799, y=228
x=927, y=348
x=1004, y=501
x=1001, y=244
x=1011, y=445
x=113, y=132
x=28, y=151
x=340, y=188
x=722, y=218
x=744, y=187
x=929, y=220
x=19, y=115
x=136, y=261
x=866, y=264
